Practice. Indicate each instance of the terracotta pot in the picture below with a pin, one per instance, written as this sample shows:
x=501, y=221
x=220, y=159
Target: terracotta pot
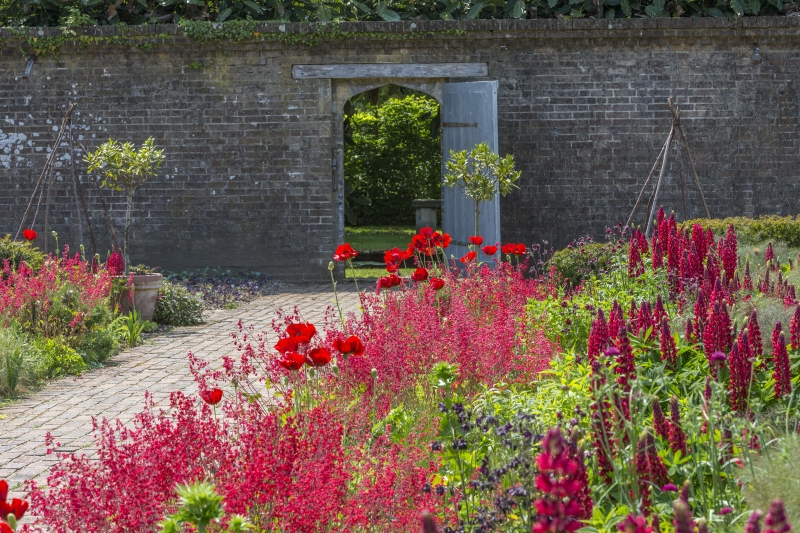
x=145, y=295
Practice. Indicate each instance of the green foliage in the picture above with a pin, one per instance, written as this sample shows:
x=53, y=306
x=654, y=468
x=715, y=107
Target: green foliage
x=122, y=166
x=581, y=262
x=481, y=174
x=751, y=231
x=57, y=359
x=379, y=237
x=74, y=12
x=15, y=252
x=17, y=365
x=199, y=505
x=392, y=157
x=775, y=474
x=97, y=346
x=176, y=306
x=131, y=328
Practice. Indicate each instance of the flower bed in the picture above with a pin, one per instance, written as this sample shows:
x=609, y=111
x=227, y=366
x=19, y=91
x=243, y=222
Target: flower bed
x=654, y=396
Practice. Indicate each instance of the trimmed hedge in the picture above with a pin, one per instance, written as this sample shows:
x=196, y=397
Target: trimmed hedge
x=176, y=306
x=751, y=231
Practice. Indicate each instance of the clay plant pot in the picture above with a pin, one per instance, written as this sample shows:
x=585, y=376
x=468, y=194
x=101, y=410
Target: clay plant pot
x=145, y=294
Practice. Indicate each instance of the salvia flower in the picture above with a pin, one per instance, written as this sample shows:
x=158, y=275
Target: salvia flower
x=30, y=235
x=669, y=352
x=634, y=524
x=677, y=438
x=776, y=521
x=115, y=264
x=598, y=336
x=559, y=484
x=344, y=252
x=211, y=396
x=754, y=334
x=782, y=373
x=660, y=423
x=754, y=522
x=769, y=253
x=682, y=517
x=794, y=329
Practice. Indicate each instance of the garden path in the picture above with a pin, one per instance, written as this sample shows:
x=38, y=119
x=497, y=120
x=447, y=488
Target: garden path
x=65, y=408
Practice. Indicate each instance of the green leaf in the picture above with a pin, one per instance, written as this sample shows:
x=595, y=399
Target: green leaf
x=362, y=7
x=389, y=15
x=552, y=3
x=255, y=7
x=626, y=7
x=610, y=13
x=519, y=9
x=714, y=12
x=755, y=6
x=475, y=11
x=737, y=7
x=225, y=14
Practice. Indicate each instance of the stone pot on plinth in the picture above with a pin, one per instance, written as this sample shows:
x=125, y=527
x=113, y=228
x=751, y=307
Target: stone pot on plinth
x=145, y=294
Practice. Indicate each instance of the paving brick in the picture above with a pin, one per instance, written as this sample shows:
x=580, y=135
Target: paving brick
x=65, y=408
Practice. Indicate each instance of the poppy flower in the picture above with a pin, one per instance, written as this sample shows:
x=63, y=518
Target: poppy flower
x=318, y=357
x=387, y=282
x=18, y=508
x=5, y=528
x=211, y=397
x=508, y=248
x=469, y=257
x=3, y=491
x=446, y=239
x=291, y=361
x=520, y=249
x=489, y=250
x=392, y=267
x=422, y=245
x=352, y=345
x=437, y=283
x=420, y=274
x=288, y=344
x=477, y=240
x=344, y=252
x=30, y=235
x=301, y=332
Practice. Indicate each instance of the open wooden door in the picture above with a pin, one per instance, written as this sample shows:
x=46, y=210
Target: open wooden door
x=469, y=117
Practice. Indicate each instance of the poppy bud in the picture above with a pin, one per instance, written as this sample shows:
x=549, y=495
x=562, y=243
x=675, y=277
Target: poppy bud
x=335, y=369
x=374, y=373
x=331, y=266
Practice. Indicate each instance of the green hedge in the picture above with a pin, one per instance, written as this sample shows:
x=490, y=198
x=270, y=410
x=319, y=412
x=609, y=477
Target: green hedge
x=16, y=251
x=581, y=262
x=751, y=231
x=176, y=306
x=83, y=12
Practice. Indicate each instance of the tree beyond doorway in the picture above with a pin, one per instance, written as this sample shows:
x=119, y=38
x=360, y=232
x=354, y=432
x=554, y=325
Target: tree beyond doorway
x=392, y=155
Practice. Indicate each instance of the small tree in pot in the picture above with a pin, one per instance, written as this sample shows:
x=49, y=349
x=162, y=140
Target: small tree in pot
x=125, y=168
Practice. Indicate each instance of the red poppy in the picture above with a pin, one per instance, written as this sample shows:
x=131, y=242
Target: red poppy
x=489, y=250
x=211, y=397
x=387, y=282
x=30, y=235
x=344, y=252
x=5, y=528
x=477, y=240
x=18, y=508
x=3, y=491
x=437, y=283
x=318, y=357
x=288, y=344
x=445, y=240
x=420, y=274
x=301, y=332
x=520, y=249
x=508, y=248
x=352, y=345
x=291, y=361
x=469, y=257
x=422, y=245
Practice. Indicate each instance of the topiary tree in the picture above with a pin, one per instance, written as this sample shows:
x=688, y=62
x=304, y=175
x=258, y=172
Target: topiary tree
x=125, y=169
x=482, y=174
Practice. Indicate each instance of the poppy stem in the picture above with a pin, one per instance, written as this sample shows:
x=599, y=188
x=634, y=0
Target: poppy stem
x=336, y=297
x=353, y=270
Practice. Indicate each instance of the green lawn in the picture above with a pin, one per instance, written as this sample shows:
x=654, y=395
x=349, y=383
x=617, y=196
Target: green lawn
x=375, y=273
x=379, y=237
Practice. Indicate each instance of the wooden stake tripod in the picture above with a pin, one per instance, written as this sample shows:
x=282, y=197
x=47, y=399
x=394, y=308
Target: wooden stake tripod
x=675, y=132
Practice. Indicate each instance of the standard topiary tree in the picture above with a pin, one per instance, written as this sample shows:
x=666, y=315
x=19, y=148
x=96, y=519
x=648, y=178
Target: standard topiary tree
x=482, y=174
x=125, y=169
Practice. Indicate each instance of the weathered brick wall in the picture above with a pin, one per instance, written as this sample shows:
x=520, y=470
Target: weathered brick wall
x=249, y=181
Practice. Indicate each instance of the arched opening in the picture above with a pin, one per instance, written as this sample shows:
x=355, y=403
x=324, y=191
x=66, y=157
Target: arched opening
x=392, y=156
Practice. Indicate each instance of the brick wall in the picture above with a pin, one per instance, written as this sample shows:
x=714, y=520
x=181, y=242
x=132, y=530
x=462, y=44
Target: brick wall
x=249, y=182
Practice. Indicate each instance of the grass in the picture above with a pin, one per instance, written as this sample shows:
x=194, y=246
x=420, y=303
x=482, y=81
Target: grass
x=379, y=237
x=375, y=273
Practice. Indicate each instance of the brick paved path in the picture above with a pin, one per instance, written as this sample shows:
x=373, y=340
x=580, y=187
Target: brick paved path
x=65, y=407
